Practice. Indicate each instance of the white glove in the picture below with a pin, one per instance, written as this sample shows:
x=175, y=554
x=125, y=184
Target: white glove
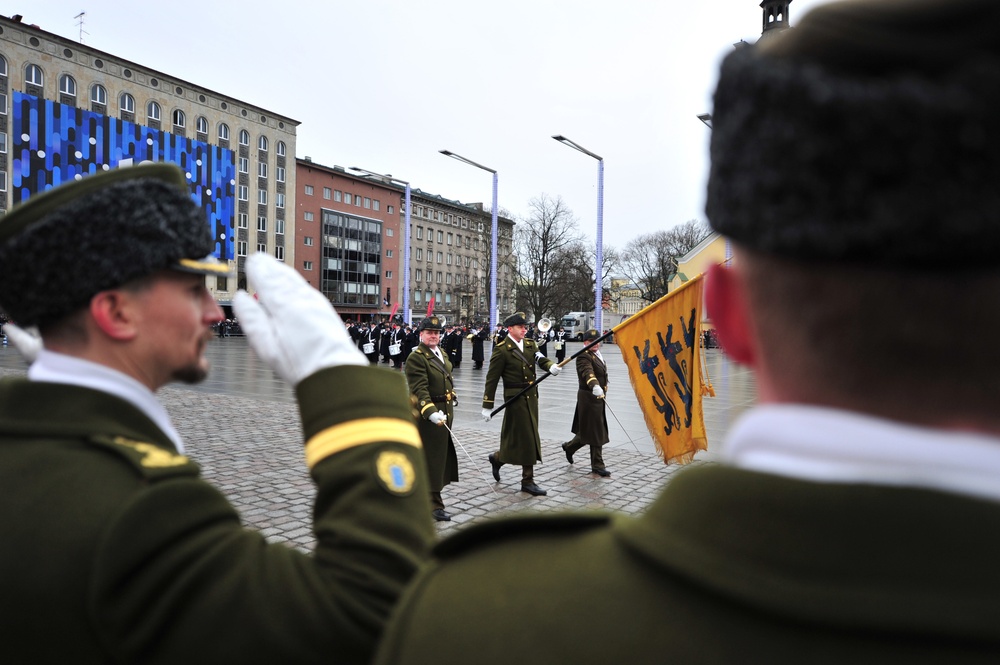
x=27, y=341
x=438, y=418
x=597, y=391
x=555, y=369
x=487, y=415
x=291, y=325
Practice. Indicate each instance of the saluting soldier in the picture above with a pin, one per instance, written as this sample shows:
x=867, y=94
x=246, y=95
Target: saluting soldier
x=590, y=421
x=513, y=361
x=428, y=373
x=115, y=550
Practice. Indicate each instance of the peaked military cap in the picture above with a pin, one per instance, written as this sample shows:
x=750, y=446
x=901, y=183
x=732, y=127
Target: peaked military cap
x=515, y=319
x=431, y=323
x=867, y=134
x=591, y=335
x=62, y=246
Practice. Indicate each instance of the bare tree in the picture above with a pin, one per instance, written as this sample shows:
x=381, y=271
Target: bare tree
x=539, y=240
x=650, y=260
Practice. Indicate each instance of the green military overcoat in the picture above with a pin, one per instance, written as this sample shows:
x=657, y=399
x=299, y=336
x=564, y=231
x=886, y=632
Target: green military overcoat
x=590, y=421
x=519, y=440
x=433, y=389
x=726, y=566
x=116, y=551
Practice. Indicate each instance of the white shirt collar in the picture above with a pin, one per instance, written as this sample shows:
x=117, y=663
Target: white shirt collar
x=53, y=367
x=829, y=445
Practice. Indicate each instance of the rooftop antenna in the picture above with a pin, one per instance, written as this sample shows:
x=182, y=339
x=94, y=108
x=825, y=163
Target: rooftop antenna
x=80, y=25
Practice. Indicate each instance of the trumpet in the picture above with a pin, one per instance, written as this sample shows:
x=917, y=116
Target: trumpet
x=544, y=325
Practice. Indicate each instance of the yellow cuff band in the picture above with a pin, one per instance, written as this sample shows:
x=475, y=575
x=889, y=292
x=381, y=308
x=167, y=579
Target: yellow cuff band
x=357, y=433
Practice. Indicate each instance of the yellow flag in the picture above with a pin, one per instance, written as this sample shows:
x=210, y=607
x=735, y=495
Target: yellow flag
x=662, y=350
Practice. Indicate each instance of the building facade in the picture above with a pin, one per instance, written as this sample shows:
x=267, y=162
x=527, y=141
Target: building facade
x=67, y=109
x=450, y=251
x=347, y=232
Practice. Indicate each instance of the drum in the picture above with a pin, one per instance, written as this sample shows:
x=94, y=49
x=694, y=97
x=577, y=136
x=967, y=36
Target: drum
x=369, y=348
x=395, y=349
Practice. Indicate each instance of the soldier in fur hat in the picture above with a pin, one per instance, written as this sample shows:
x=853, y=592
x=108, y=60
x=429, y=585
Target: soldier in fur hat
x=110, y=535
x=852, y=516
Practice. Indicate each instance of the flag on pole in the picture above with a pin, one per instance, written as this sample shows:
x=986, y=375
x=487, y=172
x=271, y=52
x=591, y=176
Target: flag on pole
x=661, y=348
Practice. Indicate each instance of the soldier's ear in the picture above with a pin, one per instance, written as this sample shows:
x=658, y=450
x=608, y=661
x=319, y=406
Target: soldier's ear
x=727, y=309
x=113, y=313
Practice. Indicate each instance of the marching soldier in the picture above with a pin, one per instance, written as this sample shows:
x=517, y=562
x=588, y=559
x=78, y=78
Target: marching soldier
x=514, y=362
x=428, y=373
x=590, y=421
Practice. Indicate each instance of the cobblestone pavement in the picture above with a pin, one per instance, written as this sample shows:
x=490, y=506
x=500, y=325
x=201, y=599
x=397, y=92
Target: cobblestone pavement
x=242, y=427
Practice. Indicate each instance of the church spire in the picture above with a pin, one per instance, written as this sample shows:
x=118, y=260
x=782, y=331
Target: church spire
x=775, y=17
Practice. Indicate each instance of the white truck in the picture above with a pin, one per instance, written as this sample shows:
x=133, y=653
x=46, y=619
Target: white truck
x=576, y=323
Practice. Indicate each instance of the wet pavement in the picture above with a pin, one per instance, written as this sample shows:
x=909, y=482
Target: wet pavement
x=242, y=426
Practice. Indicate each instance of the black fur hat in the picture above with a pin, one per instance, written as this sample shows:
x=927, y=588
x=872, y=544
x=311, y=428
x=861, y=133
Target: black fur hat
x=63, y=246
x=868, y=134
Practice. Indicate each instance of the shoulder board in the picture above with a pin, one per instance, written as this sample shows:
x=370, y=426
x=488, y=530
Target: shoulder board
x=502, y=529
x=150, y=460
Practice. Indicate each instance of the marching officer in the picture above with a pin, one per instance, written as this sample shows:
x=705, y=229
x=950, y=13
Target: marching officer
x=514, y=361
x=428, y=373
x=590, y=422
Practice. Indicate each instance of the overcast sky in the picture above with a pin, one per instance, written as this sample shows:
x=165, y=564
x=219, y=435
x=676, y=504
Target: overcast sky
x=386, y=84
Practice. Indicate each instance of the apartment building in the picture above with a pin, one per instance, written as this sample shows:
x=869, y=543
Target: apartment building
x=68, y=109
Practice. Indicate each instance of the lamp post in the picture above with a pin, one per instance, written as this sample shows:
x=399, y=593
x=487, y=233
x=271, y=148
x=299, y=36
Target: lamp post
x=493, y=233
x=599, y=277
x=407, y=314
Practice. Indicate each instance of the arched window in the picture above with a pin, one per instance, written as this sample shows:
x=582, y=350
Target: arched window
x=223, y=131
x=153, y=111
x=262, y=143
x=67, y=85
x=3, y=66
x=280, y=149
x=244, y=137
x=201, y=124
x=179, y=118
x=33, y=75
x=98, y=94
x=126, y=103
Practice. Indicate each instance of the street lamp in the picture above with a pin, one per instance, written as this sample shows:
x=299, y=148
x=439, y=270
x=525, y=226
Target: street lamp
x=599, y=277
x=493, y=247
x=407, y=315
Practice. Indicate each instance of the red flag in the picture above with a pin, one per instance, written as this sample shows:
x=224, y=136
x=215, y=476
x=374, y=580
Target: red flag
x=393, y=315
x=430, y=307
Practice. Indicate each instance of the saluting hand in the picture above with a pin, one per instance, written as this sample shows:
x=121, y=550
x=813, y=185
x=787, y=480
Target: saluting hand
x=291, y=325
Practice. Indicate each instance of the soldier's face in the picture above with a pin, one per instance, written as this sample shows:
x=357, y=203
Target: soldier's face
x=517, y=332
x=175, y=313
x=430, y=338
